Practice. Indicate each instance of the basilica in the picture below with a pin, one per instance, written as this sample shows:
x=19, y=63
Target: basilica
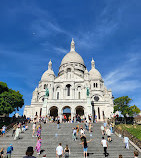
x=74, y=91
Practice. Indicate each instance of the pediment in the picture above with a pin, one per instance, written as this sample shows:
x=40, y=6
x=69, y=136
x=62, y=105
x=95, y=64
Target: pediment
x=69, y=77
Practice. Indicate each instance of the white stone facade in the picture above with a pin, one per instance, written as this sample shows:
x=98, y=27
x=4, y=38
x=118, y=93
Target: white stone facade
x=68, y=90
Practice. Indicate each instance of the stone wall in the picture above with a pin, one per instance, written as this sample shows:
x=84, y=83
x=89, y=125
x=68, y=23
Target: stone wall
x=129, y=135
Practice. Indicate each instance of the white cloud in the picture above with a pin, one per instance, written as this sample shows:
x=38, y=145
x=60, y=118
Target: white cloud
x=60, y=50
x=124, y=78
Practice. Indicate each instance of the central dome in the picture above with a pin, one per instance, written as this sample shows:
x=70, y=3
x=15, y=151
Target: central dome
x=72, y=57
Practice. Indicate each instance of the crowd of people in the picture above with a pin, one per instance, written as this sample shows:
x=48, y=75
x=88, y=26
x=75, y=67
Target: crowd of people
x=65, y=118
x=17, y=128
x=78, y=134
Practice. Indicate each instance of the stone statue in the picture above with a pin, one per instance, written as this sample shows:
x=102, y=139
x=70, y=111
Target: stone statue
x=47, y=92
x=88, y=92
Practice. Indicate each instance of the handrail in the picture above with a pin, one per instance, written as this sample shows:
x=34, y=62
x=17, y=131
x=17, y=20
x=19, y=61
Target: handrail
x=9, y=127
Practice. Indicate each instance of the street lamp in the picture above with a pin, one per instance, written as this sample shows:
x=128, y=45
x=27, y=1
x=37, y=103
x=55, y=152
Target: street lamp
x=93, y=111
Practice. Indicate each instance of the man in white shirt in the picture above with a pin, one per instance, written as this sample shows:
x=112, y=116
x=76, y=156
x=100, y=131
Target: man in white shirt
x=59, y=151
x=126, y=141
x=102, y=130
x=105, y=145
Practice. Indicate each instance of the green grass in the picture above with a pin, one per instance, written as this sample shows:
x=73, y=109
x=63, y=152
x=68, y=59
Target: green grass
x=130, y=128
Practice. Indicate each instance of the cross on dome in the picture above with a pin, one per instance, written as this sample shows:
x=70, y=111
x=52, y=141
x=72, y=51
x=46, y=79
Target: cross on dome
x=93, y=64
x=72, y=45
x=50, y=65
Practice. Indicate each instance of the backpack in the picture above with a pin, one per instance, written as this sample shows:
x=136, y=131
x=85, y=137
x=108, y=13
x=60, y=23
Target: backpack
x=9, y=149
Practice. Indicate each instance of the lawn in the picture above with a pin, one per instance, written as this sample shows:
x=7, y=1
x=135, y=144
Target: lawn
x=131, y=129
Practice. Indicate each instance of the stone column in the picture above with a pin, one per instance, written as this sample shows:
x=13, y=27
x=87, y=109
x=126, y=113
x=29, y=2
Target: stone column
x=44, y=107
x=72, y=113
x=60, y=114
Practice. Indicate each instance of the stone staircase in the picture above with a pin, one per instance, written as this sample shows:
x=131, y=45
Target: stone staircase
x=51, y=137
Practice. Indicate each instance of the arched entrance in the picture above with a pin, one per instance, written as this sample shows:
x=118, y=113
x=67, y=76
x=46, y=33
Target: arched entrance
x=67, y=113
x=79, y=113
x=54, y=111
x=80, y=110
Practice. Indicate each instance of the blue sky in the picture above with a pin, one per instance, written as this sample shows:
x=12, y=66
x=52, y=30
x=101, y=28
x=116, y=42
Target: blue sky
x=33, y=32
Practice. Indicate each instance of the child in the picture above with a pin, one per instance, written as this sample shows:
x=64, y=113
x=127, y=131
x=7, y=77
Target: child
x=38, y=145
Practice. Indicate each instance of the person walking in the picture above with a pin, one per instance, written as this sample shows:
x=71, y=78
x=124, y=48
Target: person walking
x=59, y=151
x=14, y=130
x=77, y=130
x=126, y=141
x=2, y=153
x=90, y=126
x=9, y=151
x=3, y=130
x=39, y=131
x=102, y=130
x=74, y=134
x=17, y=133
x=86, y=125
x=108, y=133
x=29, y=152
x=67, y=151
x=38, y=145
x=85, y=147
x=105, y=146
x=58, y=122
x=33, y=128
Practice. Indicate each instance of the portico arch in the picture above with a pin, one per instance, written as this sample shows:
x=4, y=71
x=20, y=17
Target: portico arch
x=67, y=111
x=80, y=110
x=53, y=111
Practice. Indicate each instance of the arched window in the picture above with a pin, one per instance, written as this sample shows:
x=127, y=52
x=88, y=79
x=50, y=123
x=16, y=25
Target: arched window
x=45, y=86
x=69, y=70
x=57, y=95
x=68, y=89
x=94, y=84
x=79, y=95
x=99, y=113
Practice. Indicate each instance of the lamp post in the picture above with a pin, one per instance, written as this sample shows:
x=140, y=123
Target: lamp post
x=93, y=111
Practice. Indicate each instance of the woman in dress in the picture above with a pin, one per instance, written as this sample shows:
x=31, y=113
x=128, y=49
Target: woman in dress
x=39, y=131
x=38, y=145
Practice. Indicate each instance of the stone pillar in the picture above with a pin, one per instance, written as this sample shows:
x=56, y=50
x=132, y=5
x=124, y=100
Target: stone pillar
x=60, y=114
x=64, y=93
x=44, y=107
x=72, y=113
x=73, y=93
x=89, y=107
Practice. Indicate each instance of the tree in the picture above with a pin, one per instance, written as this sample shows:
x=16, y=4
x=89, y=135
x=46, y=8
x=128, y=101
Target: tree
x=10, y=100
x=135, y=110
x=122, y=105
x=3, y=87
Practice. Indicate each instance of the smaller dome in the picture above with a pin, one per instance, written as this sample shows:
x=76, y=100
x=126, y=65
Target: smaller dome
x=86, y=71
x=48, y=75
x=36, y=89
x=94, y=74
